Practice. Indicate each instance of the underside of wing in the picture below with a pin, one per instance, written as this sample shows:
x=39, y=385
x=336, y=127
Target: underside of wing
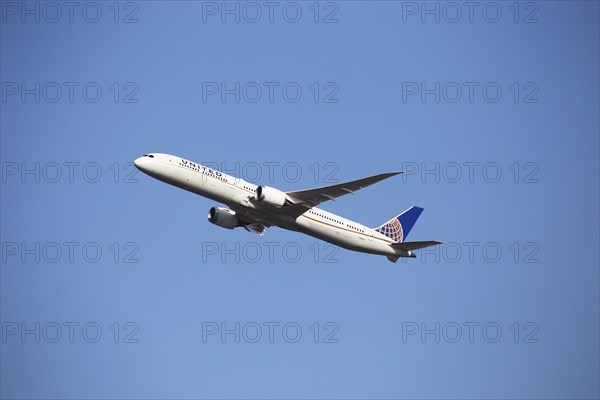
x=255, y=227
x=305, y=199
x=250, y=222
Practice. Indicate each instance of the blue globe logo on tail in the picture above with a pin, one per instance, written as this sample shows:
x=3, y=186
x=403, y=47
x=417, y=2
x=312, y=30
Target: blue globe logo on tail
x=392, y=229
x=398, y=227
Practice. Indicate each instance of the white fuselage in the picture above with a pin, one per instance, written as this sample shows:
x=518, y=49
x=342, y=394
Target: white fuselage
x=239, y=194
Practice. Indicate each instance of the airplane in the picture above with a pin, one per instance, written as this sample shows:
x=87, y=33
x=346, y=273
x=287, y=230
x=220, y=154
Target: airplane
x=256, y=208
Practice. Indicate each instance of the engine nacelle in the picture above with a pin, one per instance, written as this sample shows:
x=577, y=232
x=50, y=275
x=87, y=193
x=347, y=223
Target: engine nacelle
x=270, y=196
x=223, y=217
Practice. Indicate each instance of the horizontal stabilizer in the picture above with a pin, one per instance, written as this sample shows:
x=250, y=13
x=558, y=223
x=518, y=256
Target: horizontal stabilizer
x=408, y=246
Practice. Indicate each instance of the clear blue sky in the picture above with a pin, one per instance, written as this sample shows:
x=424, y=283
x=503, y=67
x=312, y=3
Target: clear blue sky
x=504, y=89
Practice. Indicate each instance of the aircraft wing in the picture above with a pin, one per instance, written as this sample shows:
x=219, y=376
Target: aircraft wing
x=304, y=199
x=414, y=245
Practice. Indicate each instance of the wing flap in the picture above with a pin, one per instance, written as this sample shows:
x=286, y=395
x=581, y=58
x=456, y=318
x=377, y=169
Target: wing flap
x=255, y=227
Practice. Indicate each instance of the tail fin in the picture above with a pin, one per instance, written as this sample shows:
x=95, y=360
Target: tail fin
x=398, y=227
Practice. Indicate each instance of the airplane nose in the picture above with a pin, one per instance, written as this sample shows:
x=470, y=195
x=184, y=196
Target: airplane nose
x=138, y=163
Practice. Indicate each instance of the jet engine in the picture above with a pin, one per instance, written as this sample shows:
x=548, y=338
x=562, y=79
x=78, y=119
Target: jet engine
x=223, y=217
x=270, y=196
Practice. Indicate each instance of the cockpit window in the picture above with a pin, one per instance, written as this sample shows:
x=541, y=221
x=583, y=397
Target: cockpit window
x=151, y=156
